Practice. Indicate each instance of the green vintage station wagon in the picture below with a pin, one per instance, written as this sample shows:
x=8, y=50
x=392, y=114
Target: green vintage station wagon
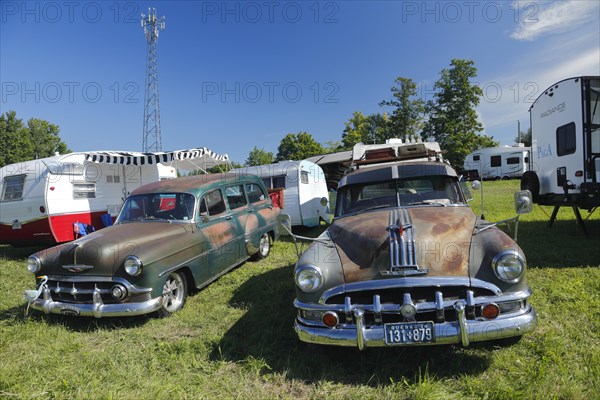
x=169, y=237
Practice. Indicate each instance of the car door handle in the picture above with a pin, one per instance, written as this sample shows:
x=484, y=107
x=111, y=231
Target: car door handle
x=249, y=210
x=228, y=217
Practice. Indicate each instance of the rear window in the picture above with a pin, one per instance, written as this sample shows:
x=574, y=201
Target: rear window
x=565, y=139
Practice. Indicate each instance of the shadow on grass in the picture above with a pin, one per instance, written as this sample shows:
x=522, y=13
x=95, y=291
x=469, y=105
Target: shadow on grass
x=265, y=333
x=563, y=245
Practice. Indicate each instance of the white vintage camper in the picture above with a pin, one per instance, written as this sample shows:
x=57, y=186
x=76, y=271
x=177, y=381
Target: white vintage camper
x=305, y=197
x=565, y=147
x=42, y=199
x=499, y=162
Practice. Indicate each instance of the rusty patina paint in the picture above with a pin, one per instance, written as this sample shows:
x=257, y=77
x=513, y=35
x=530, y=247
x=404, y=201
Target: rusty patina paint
x=442, y=239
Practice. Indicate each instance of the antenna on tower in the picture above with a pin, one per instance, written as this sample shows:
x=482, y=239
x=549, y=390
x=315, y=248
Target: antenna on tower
x=151, y=140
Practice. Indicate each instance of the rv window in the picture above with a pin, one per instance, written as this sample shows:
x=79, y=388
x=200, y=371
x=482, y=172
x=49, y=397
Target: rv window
x=267, y=182
x=496, y=161
x=512, y=160
x=235, y=197
x=255, y=193
x=476, y=158
x=84, y=190
x=304, y=177
x=526, y=160
x=13, y=187
x=279, y=182
x=565, y=139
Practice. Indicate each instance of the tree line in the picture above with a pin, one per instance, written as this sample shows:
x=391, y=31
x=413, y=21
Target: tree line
x=449, y=118
x=23, y=142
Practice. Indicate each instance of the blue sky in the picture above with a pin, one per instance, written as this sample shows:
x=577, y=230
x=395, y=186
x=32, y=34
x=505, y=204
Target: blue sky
x=234, y=75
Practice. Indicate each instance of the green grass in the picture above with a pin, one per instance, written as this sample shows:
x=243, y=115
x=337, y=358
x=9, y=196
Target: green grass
x=234, y=339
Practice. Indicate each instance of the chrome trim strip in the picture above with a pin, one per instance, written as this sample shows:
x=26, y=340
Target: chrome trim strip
x=404, y=282
x=76, y=279
x=459, y=306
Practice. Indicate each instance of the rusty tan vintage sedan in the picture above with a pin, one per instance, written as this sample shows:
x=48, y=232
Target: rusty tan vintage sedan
x=406, y=262
x=169, y=237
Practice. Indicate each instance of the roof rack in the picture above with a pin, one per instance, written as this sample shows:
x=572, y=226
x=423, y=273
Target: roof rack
x=395, y=150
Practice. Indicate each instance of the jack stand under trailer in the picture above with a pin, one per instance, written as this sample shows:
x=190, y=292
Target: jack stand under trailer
x=580, y=220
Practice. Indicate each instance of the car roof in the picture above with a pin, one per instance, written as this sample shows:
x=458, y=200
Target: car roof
x=403, y=170
x=195, y=184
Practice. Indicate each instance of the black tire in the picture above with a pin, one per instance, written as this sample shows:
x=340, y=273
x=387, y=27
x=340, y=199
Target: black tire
x=264, y=247
x=531, y=182
x=174, y=294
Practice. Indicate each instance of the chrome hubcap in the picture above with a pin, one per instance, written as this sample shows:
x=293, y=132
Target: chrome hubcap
x=173, y=293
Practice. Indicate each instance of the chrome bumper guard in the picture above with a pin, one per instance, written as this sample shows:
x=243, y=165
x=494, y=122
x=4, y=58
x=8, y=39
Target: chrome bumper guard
x=97, y=309
x=462, y=331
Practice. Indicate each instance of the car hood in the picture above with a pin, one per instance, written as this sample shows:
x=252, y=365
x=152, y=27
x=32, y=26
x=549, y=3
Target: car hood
x=105, y=250
x=442, y=241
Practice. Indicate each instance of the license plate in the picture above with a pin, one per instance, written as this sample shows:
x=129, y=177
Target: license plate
x=409, y=332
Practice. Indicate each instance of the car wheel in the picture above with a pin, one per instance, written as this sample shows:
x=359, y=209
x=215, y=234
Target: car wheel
x=174, y=294
x=264, y=247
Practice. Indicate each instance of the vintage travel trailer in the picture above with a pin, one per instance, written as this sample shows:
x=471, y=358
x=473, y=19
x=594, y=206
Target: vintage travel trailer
x=565, y=147
x=305, y=197
x=42, y=199
x=499, y=162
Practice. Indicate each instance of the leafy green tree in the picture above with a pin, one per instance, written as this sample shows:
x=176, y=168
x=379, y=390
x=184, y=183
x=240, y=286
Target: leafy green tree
x=525, y=138
x=374, y=128
x=18, y=142
x=407, y=110
x=44, y=139
x=452, y=119
x=15, y=143
x=298, y=147
x=259, y=157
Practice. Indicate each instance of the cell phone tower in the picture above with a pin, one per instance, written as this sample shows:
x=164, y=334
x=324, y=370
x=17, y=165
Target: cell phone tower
x=152, y=140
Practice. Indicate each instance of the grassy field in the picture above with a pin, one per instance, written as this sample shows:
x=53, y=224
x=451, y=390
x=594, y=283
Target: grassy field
x=234, y=339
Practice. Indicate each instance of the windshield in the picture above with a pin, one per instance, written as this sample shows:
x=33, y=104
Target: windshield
x=432, y=190
x=163, y=206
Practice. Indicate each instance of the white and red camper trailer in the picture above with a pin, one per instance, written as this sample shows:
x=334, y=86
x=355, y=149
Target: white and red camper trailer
x=42, y=199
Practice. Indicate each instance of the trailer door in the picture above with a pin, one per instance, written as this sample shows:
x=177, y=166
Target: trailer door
x=591, y=129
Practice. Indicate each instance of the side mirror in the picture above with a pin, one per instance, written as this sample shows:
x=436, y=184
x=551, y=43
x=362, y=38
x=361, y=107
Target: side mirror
x=324, y=201
x=284, y=222
x=475, y=185
x=523, y=202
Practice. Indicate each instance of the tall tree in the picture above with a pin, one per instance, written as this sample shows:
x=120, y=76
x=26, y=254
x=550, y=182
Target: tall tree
x=452, y=119
x=298, y=147
x=259, y=157
x=374, y=128
x=408, y=110
x=524, y=138
x=15, y=141
x=44, y=139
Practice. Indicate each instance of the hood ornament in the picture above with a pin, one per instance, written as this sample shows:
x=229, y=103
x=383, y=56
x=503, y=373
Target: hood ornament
x=403, y=260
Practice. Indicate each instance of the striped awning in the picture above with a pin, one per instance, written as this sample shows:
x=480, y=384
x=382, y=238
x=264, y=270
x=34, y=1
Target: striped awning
x=191, y=159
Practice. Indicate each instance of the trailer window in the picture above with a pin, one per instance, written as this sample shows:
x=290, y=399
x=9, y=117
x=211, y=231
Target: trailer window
x=84, y=191
x=476, y=158
x=565, y=139
x=278, y=182
x=496, y=161
x=13, y=187
x=304, y=177
x=512, y=160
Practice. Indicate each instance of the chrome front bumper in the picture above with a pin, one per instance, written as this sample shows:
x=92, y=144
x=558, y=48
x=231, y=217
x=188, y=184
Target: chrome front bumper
x=461, y=331
x=96, y=309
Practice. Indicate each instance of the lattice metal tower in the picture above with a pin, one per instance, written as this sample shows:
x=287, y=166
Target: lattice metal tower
x=152, y=140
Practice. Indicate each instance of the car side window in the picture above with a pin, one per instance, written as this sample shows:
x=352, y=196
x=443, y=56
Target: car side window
x=212, y=203
x=235, y=196
x=255, y=193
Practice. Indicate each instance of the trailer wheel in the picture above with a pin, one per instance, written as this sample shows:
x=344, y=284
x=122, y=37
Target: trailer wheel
x=531, y=182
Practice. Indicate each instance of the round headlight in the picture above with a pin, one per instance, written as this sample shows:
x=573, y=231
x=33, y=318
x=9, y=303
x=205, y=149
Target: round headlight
x=133, y=266
x=508, y=265
x=309, y=278
x=34, y=264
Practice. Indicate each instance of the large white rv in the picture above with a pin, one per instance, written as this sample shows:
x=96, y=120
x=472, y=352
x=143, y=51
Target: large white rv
x=42, y=199
x=565, y=147
x=305, y=196
x=499, y=162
